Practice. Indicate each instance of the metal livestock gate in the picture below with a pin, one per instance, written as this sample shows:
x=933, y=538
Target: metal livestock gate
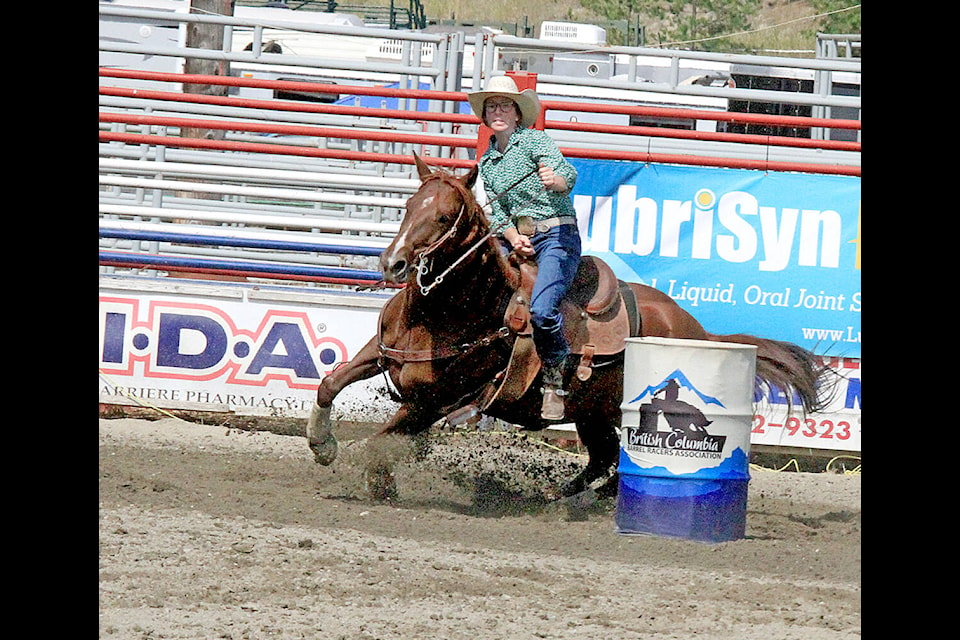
x=279, y=182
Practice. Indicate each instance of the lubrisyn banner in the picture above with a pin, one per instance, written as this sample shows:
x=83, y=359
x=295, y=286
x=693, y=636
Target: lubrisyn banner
x=771, y=254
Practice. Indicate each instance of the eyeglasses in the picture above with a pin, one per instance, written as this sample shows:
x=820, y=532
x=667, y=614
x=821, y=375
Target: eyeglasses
x=499, y=106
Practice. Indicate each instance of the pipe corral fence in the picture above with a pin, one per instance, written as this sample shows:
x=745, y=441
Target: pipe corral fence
x=289, y=158
x=298, y=166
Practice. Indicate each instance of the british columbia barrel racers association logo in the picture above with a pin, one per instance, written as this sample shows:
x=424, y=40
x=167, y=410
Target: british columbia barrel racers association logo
x=682, y=430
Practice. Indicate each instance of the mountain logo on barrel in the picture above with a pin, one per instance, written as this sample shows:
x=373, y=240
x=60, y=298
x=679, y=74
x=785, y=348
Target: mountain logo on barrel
x=678, y=379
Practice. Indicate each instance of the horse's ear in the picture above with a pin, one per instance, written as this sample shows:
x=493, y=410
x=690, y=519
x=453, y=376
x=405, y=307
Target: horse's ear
x=470, y=179
x=422, y=169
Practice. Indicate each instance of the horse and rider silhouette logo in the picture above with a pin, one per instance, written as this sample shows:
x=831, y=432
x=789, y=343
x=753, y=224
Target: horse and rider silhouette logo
x=687, y=424
x=683, y=417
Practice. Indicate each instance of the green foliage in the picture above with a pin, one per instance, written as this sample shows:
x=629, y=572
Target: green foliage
x=692, y=24
x=844, y=17
x=771, y=25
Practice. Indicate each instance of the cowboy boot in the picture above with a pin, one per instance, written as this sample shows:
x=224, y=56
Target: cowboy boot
x=553, y=392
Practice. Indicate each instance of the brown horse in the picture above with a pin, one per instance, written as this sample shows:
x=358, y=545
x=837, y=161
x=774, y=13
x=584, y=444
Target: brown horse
x=444, y=342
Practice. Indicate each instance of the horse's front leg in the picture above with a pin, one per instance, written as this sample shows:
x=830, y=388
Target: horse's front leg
x=320, y=436
x=392, y=444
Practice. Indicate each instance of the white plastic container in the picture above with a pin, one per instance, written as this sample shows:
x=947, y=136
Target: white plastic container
x=685, y=439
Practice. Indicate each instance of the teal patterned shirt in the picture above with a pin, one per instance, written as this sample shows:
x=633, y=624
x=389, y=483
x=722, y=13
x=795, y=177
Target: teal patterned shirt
x=526, y=149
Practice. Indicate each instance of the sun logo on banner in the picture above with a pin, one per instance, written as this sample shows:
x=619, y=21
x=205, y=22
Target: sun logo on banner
x=857, y=240
x=705, y=199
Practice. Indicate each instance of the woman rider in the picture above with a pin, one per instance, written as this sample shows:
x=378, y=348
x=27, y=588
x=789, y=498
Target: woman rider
x=534, y=217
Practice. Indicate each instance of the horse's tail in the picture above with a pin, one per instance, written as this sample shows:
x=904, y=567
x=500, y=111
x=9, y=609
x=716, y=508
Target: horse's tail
x=795, y=371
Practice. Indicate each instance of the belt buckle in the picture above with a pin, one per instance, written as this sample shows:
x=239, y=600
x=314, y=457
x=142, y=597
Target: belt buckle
x=543, y=226
x=526, y=226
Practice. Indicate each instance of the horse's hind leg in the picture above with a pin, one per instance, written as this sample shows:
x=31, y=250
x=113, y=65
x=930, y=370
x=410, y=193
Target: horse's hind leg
x=320, y=436
x=603, y=447
x=598, y=415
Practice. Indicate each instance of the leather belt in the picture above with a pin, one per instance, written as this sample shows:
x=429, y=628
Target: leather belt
x=528, y=226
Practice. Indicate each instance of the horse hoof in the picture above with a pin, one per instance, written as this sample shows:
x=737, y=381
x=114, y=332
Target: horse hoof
x=610, y=487
x=572, y=488
x=579, y=506
x=325, y=451
x=320, y=436
x=589, y=479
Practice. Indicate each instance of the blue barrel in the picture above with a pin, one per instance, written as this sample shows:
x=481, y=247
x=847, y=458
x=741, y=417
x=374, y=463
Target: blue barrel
x=685, y=439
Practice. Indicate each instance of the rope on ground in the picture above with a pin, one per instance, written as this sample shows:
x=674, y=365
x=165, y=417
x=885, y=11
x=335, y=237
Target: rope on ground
x=524, y=436
x=847, y=472
x=547, y=445
x=139, y=401
x=796, y=466
x=514, y=432
x=792, y=461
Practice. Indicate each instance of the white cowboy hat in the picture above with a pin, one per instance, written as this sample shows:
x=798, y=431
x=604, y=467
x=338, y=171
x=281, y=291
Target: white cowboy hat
x=504, y=86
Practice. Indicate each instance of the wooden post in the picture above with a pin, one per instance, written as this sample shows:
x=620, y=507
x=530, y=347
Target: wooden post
x=206, y=36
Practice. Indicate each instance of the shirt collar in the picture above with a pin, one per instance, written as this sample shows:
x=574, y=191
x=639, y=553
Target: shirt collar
x=510, y=141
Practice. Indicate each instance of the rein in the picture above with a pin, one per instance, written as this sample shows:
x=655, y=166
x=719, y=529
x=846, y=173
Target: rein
x=423, y=266
x=403, y=356
x=428, y=355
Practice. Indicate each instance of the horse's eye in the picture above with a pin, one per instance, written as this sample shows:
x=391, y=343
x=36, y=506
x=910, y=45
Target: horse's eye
x=444, y=218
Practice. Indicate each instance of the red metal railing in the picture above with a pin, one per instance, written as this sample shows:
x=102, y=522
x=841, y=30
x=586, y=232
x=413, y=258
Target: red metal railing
x=456, y=118
x=287, y=129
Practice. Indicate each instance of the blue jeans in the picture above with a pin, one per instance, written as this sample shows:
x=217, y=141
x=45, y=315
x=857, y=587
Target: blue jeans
x=557, y=256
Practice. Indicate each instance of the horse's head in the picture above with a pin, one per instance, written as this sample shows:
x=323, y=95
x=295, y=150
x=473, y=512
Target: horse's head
x=440, y=218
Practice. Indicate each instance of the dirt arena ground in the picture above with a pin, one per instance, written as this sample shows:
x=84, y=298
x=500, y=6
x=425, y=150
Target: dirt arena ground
x=208, y=532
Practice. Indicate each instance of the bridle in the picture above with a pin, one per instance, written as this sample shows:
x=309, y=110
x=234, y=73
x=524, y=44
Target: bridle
x=423, y=258
x=423, y=266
